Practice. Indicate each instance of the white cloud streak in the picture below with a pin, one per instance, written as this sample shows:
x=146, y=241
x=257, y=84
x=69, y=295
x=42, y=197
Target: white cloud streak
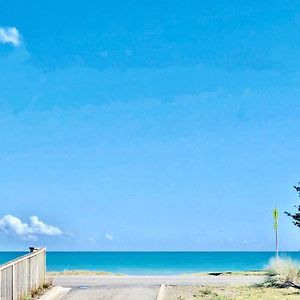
x=28, y=231
x=10, y=35
x=109, y=236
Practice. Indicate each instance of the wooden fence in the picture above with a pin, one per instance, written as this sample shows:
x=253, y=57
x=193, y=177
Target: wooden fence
x=20, y=276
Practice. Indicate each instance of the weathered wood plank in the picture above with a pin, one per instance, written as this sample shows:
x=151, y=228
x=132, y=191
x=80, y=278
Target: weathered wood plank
x=20, y=276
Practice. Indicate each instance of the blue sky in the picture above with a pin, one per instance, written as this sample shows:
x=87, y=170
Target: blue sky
x=148, y=125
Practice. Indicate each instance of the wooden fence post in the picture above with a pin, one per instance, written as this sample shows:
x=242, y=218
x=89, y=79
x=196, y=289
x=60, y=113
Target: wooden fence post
x=20, y=276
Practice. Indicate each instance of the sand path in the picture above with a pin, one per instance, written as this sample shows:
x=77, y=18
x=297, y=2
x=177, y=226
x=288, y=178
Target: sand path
x=139, y=287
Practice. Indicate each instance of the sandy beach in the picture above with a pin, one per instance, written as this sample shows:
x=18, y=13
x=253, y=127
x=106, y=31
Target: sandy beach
x=75, y=281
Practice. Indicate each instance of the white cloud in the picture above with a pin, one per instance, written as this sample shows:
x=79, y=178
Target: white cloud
x=10, y=223
x=10, y=35
x=39, y=227
x=13, y=225
x=109, y=236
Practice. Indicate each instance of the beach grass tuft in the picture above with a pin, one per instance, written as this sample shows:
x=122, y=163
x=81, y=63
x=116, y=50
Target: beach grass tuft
x=283, y=272
x=230, y=292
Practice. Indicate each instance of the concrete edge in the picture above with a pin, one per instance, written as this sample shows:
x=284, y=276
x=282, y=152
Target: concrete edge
x=161, y=292
x=55, y=293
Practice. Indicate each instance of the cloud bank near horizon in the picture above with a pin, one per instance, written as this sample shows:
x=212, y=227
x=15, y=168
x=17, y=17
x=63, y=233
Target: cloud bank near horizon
x=27, y=231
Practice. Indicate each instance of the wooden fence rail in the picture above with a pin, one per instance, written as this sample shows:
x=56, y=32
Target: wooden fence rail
x=20, y=276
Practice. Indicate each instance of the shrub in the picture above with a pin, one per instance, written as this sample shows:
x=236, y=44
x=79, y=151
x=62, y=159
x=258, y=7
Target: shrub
x=283, y=272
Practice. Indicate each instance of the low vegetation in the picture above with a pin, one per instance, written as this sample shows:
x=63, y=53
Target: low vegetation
x=282, y=282
x=82, y=273
x=230, y=293
x=283, y=272
x=230, y=273
x=37, y=293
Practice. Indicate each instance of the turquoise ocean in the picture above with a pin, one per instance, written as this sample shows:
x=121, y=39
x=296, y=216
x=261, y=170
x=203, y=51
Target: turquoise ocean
x=154, y=263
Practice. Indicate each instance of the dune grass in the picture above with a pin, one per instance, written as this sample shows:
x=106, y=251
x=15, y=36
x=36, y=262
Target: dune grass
x=230, y=293
x=82, y=273
x=231, y=273
x=283, y=272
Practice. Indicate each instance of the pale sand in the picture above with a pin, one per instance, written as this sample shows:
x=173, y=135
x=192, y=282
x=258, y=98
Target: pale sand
x=125, y=280
x=113, y=293
x=111, y=287
x=231, y=292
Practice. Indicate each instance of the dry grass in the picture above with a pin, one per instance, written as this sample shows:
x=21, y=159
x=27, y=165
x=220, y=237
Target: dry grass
x=283, y=272
x=37, y=293
x=82, y=273
x=230, y=293
x=229, y=273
